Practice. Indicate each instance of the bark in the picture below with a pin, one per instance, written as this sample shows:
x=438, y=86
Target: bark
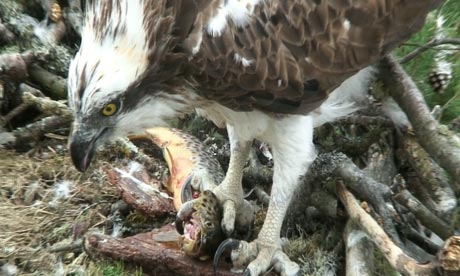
x=359, y=251
x=395, y=255
x=449, y=257
x=440, y=143
x=156, y=255
x=6, y=36
x=23, y=137
x=430, y=175
x=426, y=217
x=74, y=16
x=54, y=85
x=13, y=67
x=374, y=192
x=48, y=106
x=141, y=192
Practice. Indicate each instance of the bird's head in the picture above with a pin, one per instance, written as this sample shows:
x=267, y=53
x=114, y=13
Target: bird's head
x=112, y=88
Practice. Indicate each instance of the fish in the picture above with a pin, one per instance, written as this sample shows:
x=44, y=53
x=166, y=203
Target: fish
x=193, y=174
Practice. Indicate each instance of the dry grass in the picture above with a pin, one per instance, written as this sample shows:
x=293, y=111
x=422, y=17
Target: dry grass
x=44, y=201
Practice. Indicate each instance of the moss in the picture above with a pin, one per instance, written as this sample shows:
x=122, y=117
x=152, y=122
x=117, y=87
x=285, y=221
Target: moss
x=382, y=266
x=106, y=268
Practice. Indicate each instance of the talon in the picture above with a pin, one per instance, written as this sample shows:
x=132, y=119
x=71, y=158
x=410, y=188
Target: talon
x=247, y=272
x=179, y=225
x=228, y=243
x=186, y=191
x=185, y=212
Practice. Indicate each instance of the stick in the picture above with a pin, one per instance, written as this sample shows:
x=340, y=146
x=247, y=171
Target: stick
x=440, y=143
x=433, y=43
x=34, y=132
x=378, y=194
x=431, y=176
x=6, y=36
x=53, y=85
x=426, y=217
x=395, y=256
x=140, y=191
x=359, y=250
x=155, y=257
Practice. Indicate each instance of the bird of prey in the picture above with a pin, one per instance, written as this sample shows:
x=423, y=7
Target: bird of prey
x=261, y=68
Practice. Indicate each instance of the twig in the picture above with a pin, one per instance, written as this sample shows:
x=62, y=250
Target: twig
x=48, y=106
x=426, y=217
x=74, y=15
x=378, y=194
x=432, y=43
x=430, y=175
x=395, y=256
x=422, y=241
x=6, y=36
x=53, y=85
x=442, y=144
x=34, y=132
x=359, y=251
x=67, y=247
x=5, y=120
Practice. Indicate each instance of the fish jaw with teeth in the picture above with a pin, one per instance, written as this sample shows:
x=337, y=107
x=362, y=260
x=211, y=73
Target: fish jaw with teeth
x=202, y=232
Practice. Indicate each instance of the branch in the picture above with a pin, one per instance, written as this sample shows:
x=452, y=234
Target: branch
x=430, y=175
x=154, y=252
x=426, y=217
x=54, y=85
x=432, y=43
x=359, y=251
x=395, y=256
x=74, y=15
x=139, y=190
x=6, y=36
x=442, y=144
x=378, y=194
x=22, y=137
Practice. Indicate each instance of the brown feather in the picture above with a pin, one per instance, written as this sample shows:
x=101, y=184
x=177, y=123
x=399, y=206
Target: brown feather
x=292, y=42
x=296, y=51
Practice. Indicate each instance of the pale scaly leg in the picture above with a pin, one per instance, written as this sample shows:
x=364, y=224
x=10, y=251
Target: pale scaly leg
x=293, y=152
x=230, y=191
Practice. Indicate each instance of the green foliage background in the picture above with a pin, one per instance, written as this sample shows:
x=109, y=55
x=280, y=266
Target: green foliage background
x=420, y=67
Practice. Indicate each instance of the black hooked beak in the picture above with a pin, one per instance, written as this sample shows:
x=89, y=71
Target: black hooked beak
x=228, y=243
x=82, y=148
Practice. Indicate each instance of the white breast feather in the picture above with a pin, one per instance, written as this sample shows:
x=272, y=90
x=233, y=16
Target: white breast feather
x=239, y=11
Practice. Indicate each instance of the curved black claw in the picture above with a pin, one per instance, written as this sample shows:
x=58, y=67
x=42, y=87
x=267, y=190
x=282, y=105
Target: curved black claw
x=247, y=272
x=179, y=225
x=186, y=191
x=180, y=220
x=228, y=243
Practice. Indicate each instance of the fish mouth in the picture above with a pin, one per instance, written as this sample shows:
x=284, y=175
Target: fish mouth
x=201, y=233
x=191, y=243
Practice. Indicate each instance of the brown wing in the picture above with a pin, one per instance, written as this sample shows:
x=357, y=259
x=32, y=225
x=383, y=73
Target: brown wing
x=296, y=51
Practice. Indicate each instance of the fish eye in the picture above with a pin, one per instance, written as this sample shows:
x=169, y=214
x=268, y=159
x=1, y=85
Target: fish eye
x=109, y=109
x=209, y=224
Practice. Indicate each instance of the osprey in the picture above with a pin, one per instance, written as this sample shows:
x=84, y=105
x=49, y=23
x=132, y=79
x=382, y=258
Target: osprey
x=261, y=68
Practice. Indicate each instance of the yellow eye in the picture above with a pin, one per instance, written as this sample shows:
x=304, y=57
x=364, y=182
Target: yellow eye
x=109, y=109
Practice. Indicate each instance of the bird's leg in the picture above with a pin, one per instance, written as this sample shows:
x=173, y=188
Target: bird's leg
x=230, y=191
x=293, y=152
